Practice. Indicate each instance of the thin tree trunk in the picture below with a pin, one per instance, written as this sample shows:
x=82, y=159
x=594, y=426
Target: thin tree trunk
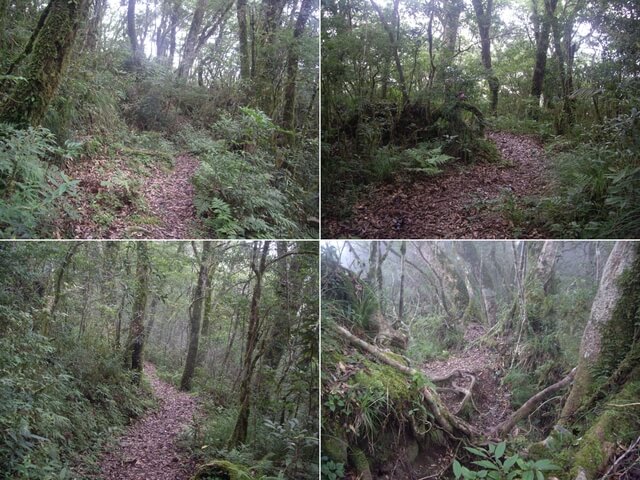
x=483, y=17
x=131, y=30
x=288, y=114
x=195, y=315
x=393, y=39
x=542, y=46
x=135, y=344
x=243, y=43
x=403, y=255
x=239, y=435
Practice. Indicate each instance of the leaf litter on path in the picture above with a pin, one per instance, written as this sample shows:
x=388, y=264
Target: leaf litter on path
x=458, y=203
x=148, y=449
x=117, y=201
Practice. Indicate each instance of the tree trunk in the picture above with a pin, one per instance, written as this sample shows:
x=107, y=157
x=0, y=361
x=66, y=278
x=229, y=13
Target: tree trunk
x=604, y=304
x=243, y=43
x=403, y=255
x=239, y=435
x=542, y=46
x=189, y=51
x=51, y=314
x=394, y=38
x=135, y=343
x=45, y=58
x=95, y=24
x=131, y=31
x=483, y=18
x=288, y=114
x=195, y=315
x=544, y=269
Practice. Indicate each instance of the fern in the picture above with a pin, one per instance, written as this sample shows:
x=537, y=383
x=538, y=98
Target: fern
x=425, y=159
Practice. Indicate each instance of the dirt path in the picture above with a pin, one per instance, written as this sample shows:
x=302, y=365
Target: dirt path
x=148, y=450
x=491, y=401
x=117, y=202
x=461, y=202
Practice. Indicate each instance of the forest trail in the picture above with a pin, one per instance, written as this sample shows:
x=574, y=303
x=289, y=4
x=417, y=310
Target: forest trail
x=148, y=450
x=461, y=202
x=490, y=402
x=119, y=202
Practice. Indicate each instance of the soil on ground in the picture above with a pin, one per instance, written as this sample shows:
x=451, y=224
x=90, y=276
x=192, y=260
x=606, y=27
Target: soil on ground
x=148, y=450
x=153, y=201
x=464, y=201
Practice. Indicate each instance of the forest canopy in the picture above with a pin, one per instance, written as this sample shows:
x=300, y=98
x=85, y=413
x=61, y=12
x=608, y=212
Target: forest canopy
x=425, y=101
x=170, y=119
x=480, y=360
x=209, y=348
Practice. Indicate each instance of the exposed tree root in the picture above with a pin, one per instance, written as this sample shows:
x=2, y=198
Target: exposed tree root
x=447, y=420
x=444, y=418
x=530, y=405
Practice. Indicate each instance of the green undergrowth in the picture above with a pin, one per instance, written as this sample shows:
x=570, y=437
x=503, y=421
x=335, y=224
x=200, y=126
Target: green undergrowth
x=247, y=184
x=59, y=401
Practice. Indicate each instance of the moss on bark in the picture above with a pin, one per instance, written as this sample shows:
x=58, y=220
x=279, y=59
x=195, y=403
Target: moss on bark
x=43, y=65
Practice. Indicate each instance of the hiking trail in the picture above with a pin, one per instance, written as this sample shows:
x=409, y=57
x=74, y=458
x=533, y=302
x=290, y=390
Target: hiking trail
x=148, y=449
x=117, y=201
x=461, y=202
x=480, y=370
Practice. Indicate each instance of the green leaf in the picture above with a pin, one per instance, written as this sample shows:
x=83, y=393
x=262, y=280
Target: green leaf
x=510, y=462
x=528, y=475
x=500, y=448
x=477, y=451
x=457, y=469
x=545, y=464
x=482, y=474
x=486, y=464
x=539, y=475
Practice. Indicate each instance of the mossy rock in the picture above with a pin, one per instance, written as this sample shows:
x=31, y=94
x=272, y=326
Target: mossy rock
x=360, y=463
x=222, y=470
x=335, y=448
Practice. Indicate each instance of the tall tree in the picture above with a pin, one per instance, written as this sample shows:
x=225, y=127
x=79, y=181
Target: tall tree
x=542, y=28
x=42, y=63
x=195, y=315
x=394, y=38
x=288, y=113
x=131, y=31
x=483, y=18
x=258, y=265
x=243, y=40
x=135, y=343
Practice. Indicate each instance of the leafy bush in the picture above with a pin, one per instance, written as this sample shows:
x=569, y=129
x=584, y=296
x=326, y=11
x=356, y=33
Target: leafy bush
x=496, y=466
x=56, y=401
x=598, y=181
x=240, y=192
x=33, y=190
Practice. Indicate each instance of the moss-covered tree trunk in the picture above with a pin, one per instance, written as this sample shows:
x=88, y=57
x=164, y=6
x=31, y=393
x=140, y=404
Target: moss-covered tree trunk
x=135, y=343
x=603, y=313
x=42, y=63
